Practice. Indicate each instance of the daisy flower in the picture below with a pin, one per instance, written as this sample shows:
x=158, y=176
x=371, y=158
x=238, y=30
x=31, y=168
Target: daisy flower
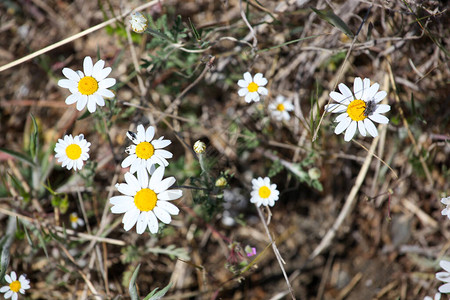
x=145, y=200
x=358, y=109
x=75, y=221
x=15, y=286
x=251, y=88
x=89, y=87
x=446, y=210
x=264, y=192
x=280, y=108
x=437, y=296
x=138, y=22
x=71, y=152
x=146, y=152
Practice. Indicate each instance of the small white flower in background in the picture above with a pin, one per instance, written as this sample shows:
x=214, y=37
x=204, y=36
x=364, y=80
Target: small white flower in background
x=72, y=151
x=437, y=296
x=146, y=152
x=199, y=147
x=145, y=200
x=75, y=221
x=358, y=110
x=444, y=276
x=251, y=88
x=15, y=286
x=138, y=22
x=446, y=210
x=280, y=108
x=90, y=87
x=263, y=192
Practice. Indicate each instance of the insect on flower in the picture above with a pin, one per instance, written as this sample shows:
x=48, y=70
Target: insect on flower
x=370, y=108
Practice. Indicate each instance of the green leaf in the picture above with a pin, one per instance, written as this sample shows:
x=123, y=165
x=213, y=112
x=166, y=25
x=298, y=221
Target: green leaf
x=132, y=286
x=34, y=139
x=194, y=30
x=154, y=295
x=19, y=156
x=5, y=245
x=329, y=16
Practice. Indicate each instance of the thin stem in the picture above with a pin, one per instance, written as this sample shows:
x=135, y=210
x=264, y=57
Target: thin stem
x=275, y=250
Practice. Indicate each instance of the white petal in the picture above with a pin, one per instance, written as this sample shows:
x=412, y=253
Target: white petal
x=338, y=97
x=98, y=99
x=165, y=184
x=163, y=153
x=130, y=218
x=249, y=97
x=335, y=108
x=143, y=177
x=106, y=83
x=380, y=96
x=156, y=178
x=152, y=222
x=345, y=91
x=105, y=93
x=149, y=133
x=128, y=161
x=71, y=74
x=170, y=195
x=169, y=207
x=382, y=108
x=132, y=181
x=371, y=129
x=158, y=144
x=350, y=132
x=358, y=88
x=82, y=100
x=259, y=79
x=342, y=125
x=98, y=68
x=162, y=215
x=445, y=264
x=379, y=118
x=87, y=66
x=370, y=93
x=71, y=99
x=445, y=289
x=242, y=92
x=141, y=223
x=121, y=204
x=263, y=91
x=341, y=117
x=361, y=128
x=68, y=84
x=242, y=83
x=91, y=105
x=126, y=189
x=248, y=77
x=443, y=276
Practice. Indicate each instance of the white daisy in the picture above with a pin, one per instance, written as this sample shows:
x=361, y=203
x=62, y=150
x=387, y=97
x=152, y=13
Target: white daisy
x=444, y=276
x=71, y=152
x=446, y=210
x=146, y=153
x=437, y=296
x=145, y=200
x=89, y=87
x=75, y=221
x=358, y=109
x=138, y=22
x=15, y=286
x=264, y=192
x=280, y=108
x=252, y=88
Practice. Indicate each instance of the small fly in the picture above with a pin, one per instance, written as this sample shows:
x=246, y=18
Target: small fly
x=370, y=108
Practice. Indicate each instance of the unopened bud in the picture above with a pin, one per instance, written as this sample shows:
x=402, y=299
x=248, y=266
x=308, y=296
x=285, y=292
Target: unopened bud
x=199, y=147
x=138, y=22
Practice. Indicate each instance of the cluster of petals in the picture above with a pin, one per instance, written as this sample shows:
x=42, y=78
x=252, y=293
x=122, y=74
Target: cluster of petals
x=15, y=286
x=263, y=192
x=252, y=87
x=88, y=87
x=146, y=199
x=72, y=151
x=358, y=109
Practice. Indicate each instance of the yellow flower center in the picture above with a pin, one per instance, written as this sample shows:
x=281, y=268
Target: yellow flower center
x=87, y=85
x=145, y=200
x=144, y=150
x=252, y=87
x=356, y=110
x=264, y=192
x=73, y=218
x=73, y=151
x=280, y=107
x=15, y=286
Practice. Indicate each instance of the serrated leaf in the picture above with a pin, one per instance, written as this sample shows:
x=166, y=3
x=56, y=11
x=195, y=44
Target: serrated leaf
x=154, y=295
x=19, y=156
x=329, y=16
x=132, y=286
